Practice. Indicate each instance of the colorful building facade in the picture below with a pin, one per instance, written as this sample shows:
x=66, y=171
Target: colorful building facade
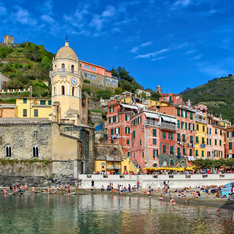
x=230, y=142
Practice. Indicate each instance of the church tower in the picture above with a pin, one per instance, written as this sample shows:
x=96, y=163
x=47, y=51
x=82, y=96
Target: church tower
x=66, y=86
x=158, y=89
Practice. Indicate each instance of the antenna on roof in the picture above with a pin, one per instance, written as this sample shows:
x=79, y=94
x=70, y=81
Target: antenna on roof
x=66, y=37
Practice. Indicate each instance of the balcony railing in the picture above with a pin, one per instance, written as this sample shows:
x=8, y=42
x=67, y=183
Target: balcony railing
x=169, y=126
x=126, y=111
x=151, y=122
x=200, y=120
x=64, y=70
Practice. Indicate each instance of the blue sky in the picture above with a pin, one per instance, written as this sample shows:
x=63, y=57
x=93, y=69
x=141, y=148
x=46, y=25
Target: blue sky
x=174, y=43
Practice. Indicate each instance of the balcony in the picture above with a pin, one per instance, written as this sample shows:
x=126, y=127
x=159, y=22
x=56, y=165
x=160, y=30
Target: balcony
x=200, y=120
x=168, y=126
x=64, y=70
x=151, y=122
x=121, y=111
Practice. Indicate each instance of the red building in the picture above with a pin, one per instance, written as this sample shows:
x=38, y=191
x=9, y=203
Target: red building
x=230, y=142
x=172, y=98
x=185, y=135
x=118, y=124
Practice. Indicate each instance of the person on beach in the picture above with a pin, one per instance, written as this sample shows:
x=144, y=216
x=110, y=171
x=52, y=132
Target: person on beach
x=121, y=190
x=171, y=199
x=150, y=190
x=102, y=188
x=161, y=198
x=33, y=189
x=92, y=184
x=5, y=191
x=129, y=188
x=138, y=184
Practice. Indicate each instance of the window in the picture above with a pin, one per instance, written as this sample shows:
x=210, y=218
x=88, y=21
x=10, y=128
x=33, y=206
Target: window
x=140, y=142
x=108, y=81
x=49, y=102
x=86, y=66
x=113, y=108
x=178, y=124
x=191, y=115
x=197, y=127
x=210, y=141
x=184, y=153
x=164, y=135
x=127, y=130
x=178, y=137
x=113, y=82
x=112, y=131
x=93, y=68
x=73, y=91
x=24, y=100
x=154, y=142
x=63, y=66
x=133, y=134
x=207, y=141
x=216, y=131
x=142, y=154
x=202, y=153
x=191, y=139
x=170, y=136
x=72, y=68
x=109, y=119
x=220, y=142
x=25, y=112
x=184, y=138
x=215, y=141
x=35, y=112
x=134, y=155
x=117, y=130
x=197, y=141
x=164, y=149
x=110, y=109
x=93, y=77
x=197, y=153
x=154, y=132
x=221, y=132
x=203, y=128
x=63, y=90
x=86, y=75
x=42, y=102
x=127, y=142
x=178, y=151
x=190, y=152
x=114, y=119
x=8, y=151
x=171, y=150
x=54, y=91
x=35, y=151
x=178, y=112
x=230, y=145
x=127, y=118
x=185, y=124
x=155, y=153
x=182, y=125
x=203, y=140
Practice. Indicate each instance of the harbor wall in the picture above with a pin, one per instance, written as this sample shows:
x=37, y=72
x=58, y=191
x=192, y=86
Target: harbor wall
x=175, y=181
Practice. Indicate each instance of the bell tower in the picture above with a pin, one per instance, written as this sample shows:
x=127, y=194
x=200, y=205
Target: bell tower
x=66, y=86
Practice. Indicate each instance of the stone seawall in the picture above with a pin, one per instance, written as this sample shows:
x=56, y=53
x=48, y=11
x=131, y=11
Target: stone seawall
x=175, y=181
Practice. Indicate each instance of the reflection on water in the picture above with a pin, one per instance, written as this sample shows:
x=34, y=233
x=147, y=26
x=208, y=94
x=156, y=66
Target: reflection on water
x=107, y=214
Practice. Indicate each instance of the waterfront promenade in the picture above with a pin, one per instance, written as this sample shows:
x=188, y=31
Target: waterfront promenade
x=155, y=181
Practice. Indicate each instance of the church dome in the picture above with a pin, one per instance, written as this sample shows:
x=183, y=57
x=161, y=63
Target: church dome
x=66, y=52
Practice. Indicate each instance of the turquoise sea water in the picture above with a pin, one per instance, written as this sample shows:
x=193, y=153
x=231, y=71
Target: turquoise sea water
x=107, y=214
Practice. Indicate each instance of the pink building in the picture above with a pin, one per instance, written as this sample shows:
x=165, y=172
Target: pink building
x=145, y=139
x=172, y=98
x=118, y=124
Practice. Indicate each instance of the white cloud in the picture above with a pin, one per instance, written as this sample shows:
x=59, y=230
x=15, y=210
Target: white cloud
x=182, y=2
x=97, y=22
x=109, y=11
x=3, y=10
x=47, y=19
x=23, y=16
x=152, y=55
x=160, y=58
x=198, y=56
x=190, y=51
x=135, y=49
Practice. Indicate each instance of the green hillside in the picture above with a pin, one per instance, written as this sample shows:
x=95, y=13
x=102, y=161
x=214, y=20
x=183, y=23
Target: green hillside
x=26, y=64
x=217, y=94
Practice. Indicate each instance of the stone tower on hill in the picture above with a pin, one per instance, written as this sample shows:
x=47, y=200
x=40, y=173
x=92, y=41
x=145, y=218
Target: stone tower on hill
x=158, y=89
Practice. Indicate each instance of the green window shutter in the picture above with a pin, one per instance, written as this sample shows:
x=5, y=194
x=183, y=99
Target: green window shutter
x=164, y=135
x=178, y=112
x=127, y=142
x=178, y=123
x=185, y=114
x=178, y=151
x=171, y=150
x=202, y=153
x=196, y=138
x=119, y=130
x=115, y=130
x=182, y=125
x=109, y=119
x=134, y=133
x=185, y=125
x=181, y=113
x=164, y=149
x=112, y=131
x=193, y=127
x=113, y=109
x=215, y=141
x=140, y=142
x=190, y=152
x=191, y=115
x=184, y=151
x=184, y=138
x=125, y=129
x=126, y=118
x=191, y=139
x=154, y=132
x=220, y=142
x=110, y=109
x=178, y=137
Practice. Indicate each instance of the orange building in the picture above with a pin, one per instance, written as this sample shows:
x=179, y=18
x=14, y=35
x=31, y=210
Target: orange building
x=7, y=110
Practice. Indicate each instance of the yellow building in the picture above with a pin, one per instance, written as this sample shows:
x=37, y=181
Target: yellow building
x=200, y=134
x=66, y=84
x=33, y=107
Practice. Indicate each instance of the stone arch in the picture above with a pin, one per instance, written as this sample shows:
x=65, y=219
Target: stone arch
x=164, y=163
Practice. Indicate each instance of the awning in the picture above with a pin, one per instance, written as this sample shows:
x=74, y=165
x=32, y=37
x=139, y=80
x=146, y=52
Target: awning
x=149, y=115
x=169, y=119
x=129, y=106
